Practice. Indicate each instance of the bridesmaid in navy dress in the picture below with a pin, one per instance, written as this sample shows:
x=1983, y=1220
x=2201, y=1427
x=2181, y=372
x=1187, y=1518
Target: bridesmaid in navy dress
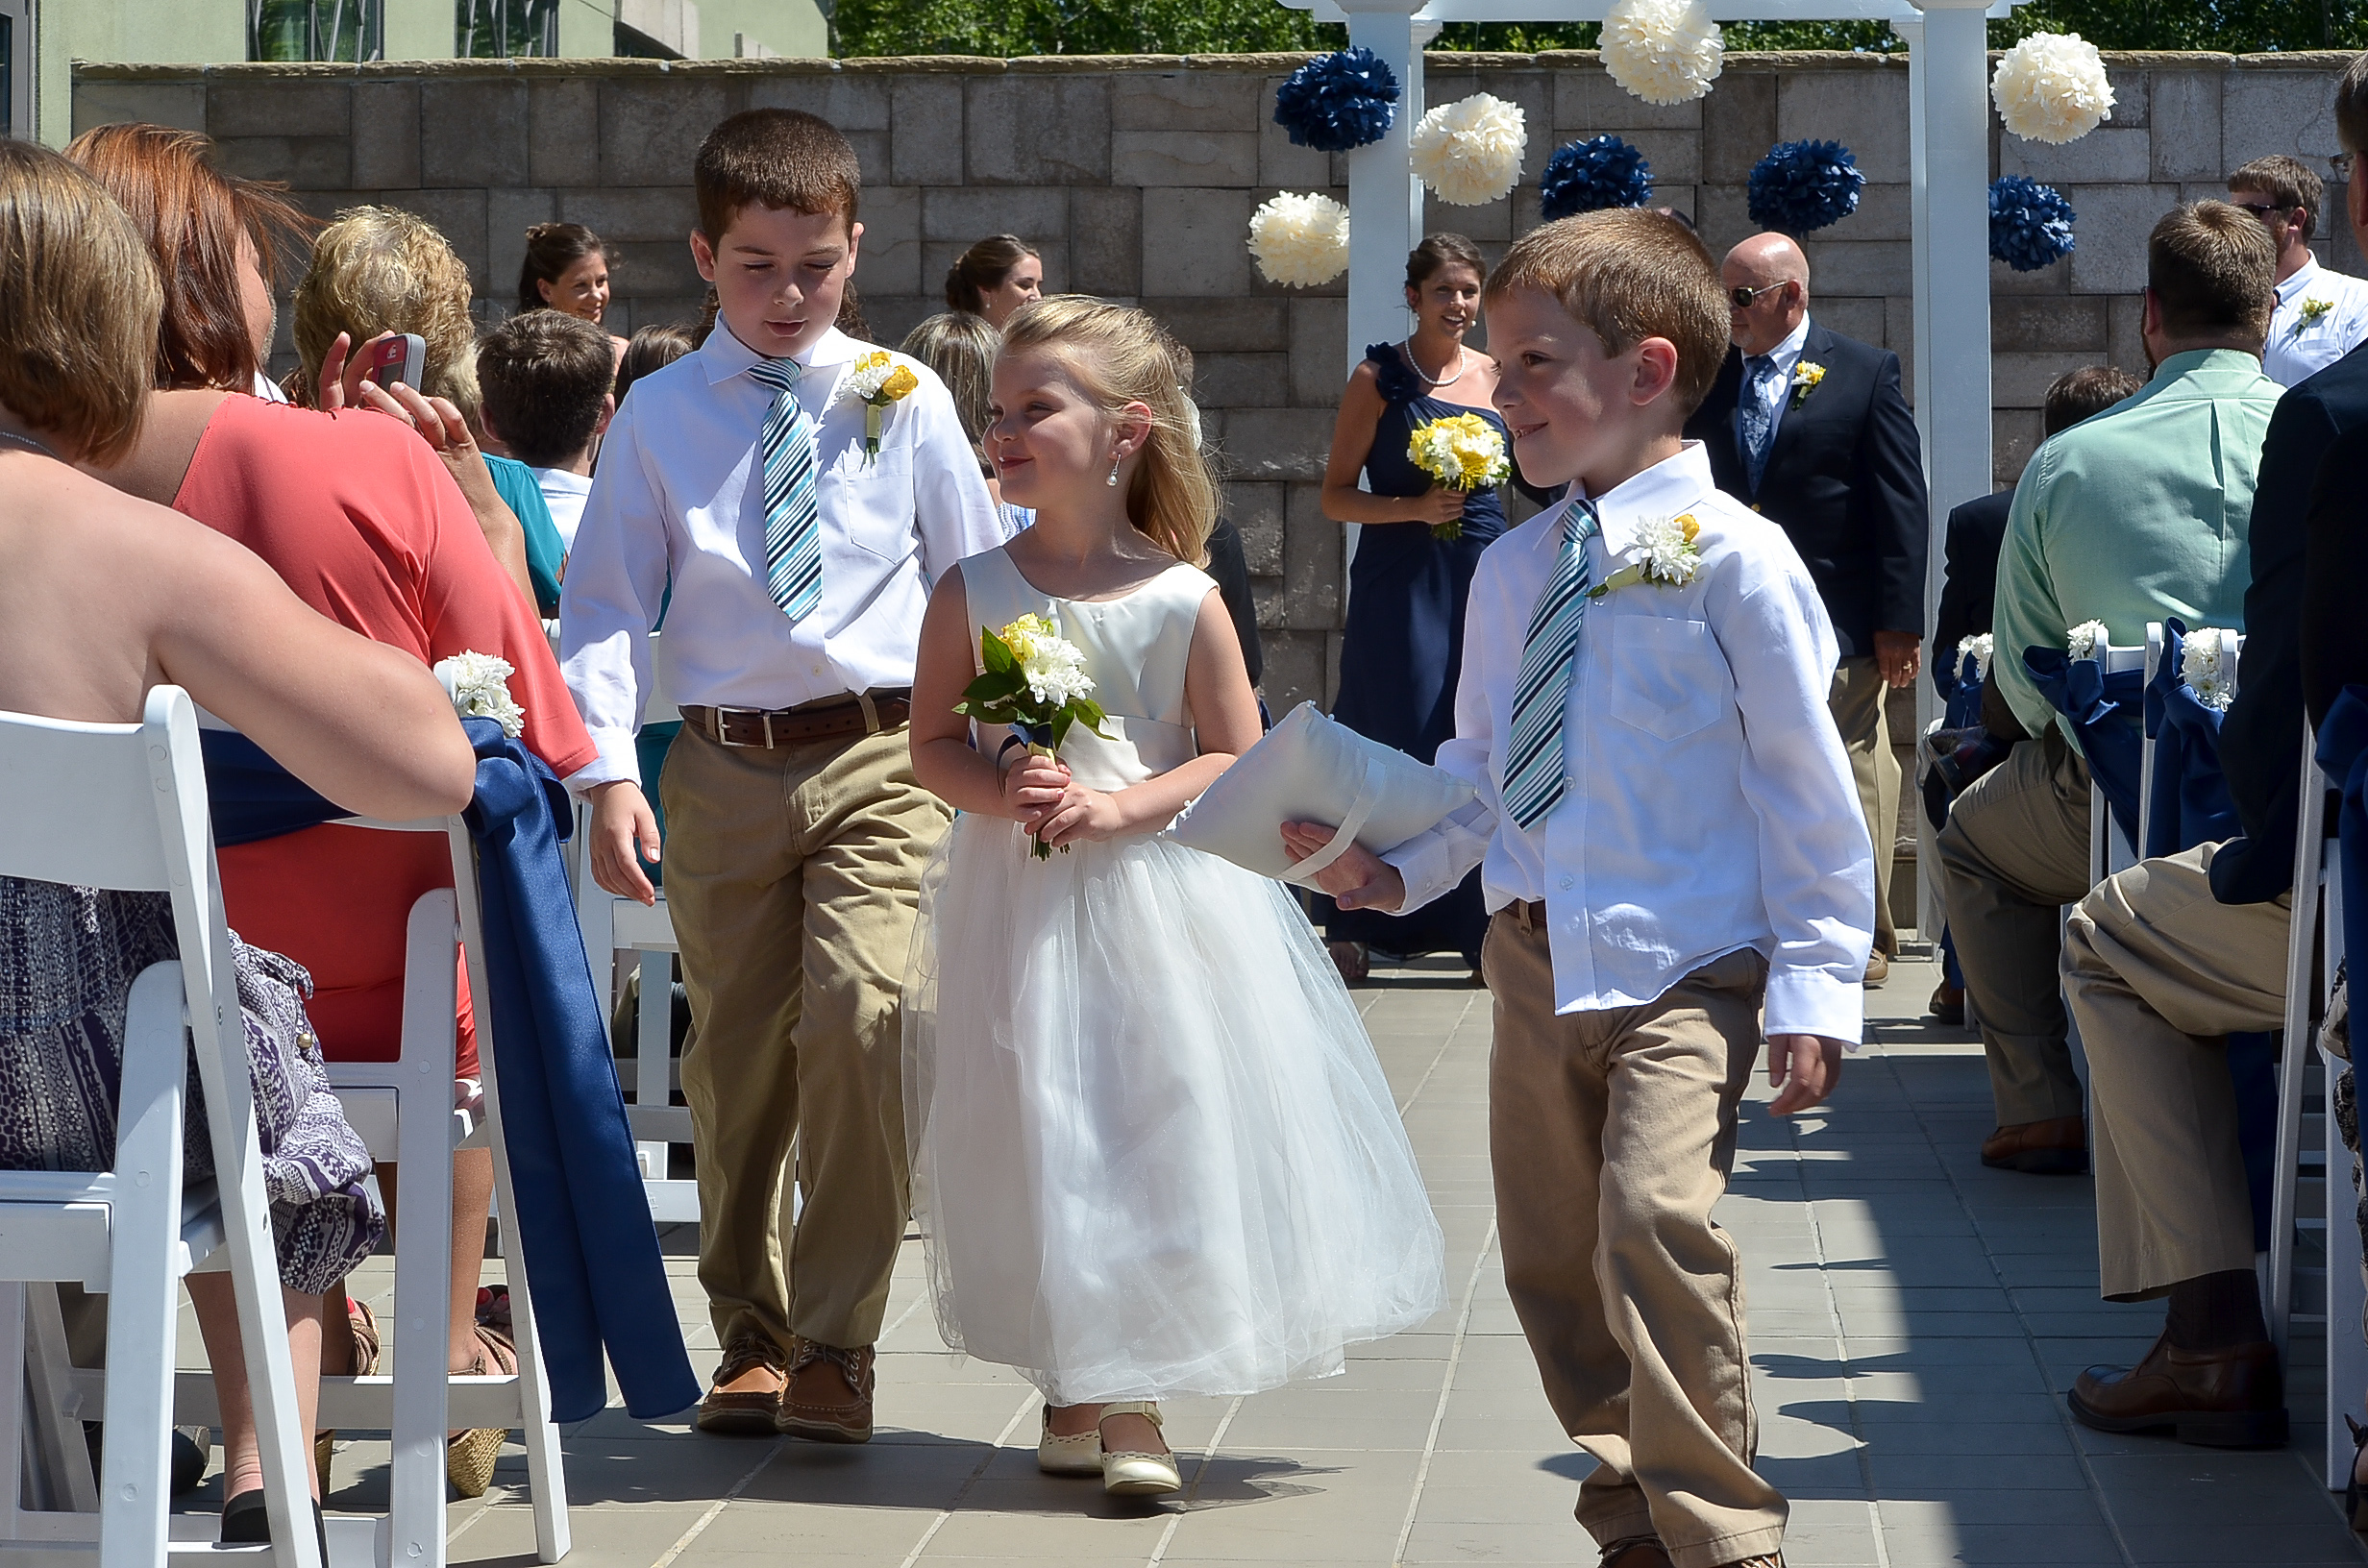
x=1403, y=648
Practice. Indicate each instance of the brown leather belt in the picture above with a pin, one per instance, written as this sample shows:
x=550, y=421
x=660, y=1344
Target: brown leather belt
x=869, y=714
x=1529, y=914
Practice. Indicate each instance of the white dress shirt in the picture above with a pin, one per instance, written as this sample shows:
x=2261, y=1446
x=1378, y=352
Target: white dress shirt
x=1708, y=804
x=2301, y=345
x=1787, y=355
x=564, y=493
x=678, y=500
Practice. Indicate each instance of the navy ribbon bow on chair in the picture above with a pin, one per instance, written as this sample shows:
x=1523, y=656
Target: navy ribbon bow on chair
x=2190, y=802
x=591, y=1250
x=2343, y=752
x=2104, y=712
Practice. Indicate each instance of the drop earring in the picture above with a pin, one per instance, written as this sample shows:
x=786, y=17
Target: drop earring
x=1114, y=473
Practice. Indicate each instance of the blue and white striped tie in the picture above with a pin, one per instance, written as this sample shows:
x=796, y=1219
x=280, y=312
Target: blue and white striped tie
x=1534, y=760
x=793, y=521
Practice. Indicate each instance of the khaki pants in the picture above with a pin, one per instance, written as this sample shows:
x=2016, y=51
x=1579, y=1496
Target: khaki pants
x=793, y=876
x=2159, y=972
x=2015, y=850
x=1857, y=700
x=1612, y=1134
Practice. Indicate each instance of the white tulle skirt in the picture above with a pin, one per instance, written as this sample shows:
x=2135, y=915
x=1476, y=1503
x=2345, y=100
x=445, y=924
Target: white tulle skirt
x=1152, y=1151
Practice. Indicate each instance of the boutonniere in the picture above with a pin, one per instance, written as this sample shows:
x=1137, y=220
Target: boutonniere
x=877, y=381
x=2313, y=309
x=1669, y=556
x=1805, y=378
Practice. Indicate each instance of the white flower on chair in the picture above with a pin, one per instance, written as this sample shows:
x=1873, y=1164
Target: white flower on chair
x=2087, y=640
x=2201, y=667
x=478, y=685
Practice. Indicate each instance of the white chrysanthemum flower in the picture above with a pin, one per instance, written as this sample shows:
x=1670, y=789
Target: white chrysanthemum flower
x=478, y=685
x=1470, y=152
x=2205, y=672
x=1980, y=645
x=1299, y=241
x=1055, y=670
x=2088, y=640
x=2052, y=87
x=1663, y=51
x=1670, y=556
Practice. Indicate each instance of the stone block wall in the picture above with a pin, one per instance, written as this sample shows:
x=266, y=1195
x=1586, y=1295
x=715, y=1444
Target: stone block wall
x=1136, y=179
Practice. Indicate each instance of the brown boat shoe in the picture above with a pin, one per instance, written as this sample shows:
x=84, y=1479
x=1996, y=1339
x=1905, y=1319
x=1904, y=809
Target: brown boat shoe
x=829, y=1399
x=746, y=1401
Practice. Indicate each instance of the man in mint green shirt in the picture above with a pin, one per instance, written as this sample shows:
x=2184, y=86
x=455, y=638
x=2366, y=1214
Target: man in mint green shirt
x=2136, y=515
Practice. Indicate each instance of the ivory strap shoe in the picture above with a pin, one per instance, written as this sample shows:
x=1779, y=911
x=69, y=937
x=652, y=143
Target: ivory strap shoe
x=1138, y=1474
x=1078, y=1455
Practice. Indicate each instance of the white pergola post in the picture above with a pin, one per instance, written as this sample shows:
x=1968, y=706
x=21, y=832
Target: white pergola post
x=1384, y=199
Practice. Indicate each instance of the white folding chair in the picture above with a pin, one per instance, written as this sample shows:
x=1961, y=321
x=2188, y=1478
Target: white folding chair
x=2314, y=944
x=2110, y=849
x=123, y=807
x=614, y=927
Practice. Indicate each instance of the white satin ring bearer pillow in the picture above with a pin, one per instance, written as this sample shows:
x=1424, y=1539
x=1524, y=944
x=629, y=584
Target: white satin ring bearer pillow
x=1311, y=769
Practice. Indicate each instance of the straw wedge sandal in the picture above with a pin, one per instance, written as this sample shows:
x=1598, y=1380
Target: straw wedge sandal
x=364, y=1325
x=1134, y=1473
x=469, y=1455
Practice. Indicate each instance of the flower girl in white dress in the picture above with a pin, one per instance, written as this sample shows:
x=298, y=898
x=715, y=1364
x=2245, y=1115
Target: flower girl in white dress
x=1152, y=1151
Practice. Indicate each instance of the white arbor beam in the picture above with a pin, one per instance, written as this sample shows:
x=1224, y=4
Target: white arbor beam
x=1385, y=200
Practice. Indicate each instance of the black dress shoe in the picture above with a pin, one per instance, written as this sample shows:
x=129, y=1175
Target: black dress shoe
x=247, y=1521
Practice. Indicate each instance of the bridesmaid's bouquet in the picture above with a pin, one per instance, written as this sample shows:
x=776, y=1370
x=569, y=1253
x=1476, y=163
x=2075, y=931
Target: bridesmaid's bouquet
x=1462, y=451
x=1035, y=682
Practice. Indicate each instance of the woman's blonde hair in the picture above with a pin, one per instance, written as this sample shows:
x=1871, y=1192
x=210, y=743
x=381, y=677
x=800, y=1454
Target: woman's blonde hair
x=1122, y=356
x=79, y=305
x=380, y=269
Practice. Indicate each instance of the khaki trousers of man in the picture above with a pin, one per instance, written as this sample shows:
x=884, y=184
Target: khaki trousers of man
x=793, y=875
x=2015, y=851
x=2159, y=973
x=1612, y=1134
x=1858, y=700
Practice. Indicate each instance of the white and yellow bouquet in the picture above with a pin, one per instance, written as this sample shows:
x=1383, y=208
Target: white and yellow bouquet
x=478, y=685
x=877, y=381
x=1670, y=557
x=1462, y=451
x=1035, y=682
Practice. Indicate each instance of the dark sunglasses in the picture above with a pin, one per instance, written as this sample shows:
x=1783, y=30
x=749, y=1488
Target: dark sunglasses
x=2262, y=210
x=1742, y=299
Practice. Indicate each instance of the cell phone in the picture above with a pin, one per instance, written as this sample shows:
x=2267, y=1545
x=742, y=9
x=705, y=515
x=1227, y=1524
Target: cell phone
x=402, y=358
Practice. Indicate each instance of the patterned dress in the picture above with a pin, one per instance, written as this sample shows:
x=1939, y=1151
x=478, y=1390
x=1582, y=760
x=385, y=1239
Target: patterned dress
x=67, y=960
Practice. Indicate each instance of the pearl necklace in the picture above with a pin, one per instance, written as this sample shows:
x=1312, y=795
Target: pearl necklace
x=1463, y=362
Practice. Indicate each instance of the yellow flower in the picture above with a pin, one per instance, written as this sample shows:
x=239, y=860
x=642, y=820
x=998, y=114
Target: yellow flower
x=2313, y=309
x=1691, y=528
x=900, y=382
x=1462, y=451
x=1021, y=636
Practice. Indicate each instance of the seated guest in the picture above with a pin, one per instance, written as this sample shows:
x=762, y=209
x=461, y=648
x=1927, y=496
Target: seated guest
x=2164, y=959
x=546, y=378
x=2122, y=520
x=360, y=519
x=2321, y=315
x=651, y=348
x=102, y=599
x=1976, y=530
x=378, y=270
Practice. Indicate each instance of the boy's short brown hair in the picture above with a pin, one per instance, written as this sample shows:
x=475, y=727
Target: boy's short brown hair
x=2288, y=181
x=545, y=376
x=776, y=157
x=2083, y=394
x=79, y=302
x=1626, y=274
x=2211, y=268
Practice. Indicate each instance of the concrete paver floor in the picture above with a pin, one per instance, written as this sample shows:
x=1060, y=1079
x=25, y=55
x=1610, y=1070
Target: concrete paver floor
x=1914, y=1319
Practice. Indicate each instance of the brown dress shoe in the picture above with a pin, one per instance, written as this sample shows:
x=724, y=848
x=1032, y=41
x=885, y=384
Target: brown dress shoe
x=829, y=1394
x=2233, y=1397
x=746, y=1397
x=1947, y=1004
x=1636, y=1552
x=2058, y=1146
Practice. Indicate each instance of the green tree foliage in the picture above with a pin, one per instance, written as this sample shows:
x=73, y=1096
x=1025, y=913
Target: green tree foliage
x=1015, y=28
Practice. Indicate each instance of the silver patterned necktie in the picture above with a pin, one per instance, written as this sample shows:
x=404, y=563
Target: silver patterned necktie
x=1758, y=416
x=793, y=521
x=1534, y=761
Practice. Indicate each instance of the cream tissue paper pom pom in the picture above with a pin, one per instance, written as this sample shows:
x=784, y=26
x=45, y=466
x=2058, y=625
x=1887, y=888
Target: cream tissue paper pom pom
x=1470, y=152
x=2052, y=87
x=1300, y=240
x=1663, y=51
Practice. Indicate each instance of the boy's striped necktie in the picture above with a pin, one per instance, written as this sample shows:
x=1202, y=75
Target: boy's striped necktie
x=793, y=521
x=1534, y=761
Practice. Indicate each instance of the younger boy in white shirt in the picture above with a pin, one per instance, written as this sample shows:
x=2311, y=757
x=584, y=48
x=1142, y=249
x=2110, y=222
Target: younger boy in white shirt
x=1670, y=842
x=547, y=380
x=798, y=545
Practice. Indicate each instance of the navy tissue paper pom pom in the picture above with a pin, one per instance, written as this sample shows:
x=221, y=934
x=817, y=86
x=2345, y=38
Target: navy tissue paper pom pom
x=2030, y=224
x=1802, y=186
x=1342, y=101
x=1587, y=176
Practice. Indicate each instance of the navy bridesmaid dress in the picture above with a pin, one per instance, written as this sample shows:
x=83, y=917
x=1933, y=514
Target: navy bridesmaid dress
x=1403, y=649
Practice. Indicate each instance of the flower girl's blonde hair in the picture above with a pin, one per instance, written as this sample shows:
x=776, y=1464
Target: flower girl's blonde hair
x=1121, y=355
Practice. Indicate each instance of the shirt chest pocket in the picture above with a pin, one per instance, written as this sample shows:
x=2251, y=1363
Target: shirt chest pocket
x=1667, y=676
x=869, y=501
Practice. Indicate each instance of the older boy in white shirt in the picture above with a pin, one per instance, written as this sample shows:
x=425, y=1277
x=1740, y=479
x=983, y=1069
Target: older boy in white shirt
x=2320, y=315
x=745, y=481
x=1670, y=842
